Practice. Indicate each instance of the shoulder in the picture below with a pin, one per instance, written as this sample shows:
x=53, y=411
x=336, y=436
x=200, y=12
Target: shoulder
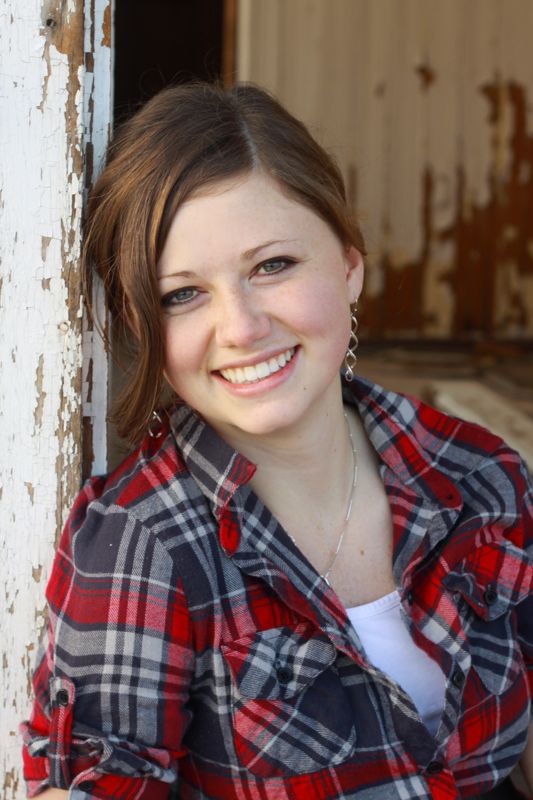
x=136, y=514
x=452, y=444
x=442, y=454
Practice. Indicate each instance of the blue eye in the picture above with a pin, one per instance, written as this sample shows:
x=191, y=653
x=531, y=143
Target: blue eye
x=274, y=265
x=179, y=297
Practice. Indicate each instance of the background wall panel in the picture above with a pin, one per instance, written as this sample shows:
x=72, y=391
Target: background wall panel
x=427, y=107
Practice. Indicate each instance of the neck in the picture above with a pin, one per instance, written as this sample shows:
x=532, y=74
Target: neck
x=307, y=466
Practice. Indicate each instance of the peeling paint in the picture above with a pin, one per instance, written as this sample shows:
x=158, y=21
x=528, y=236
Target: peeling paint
x=44, y=131
x=40, y=393
x=106, y=27
x=45, y=242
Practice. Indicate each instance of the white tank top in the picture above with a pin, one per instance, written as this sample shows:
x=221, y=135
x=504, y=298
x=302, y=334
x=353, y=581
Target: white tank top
x=384, y=637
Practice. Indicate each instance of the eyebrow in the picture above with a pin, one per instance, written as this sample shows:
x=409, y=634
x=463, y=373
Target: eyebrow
x=254, y=250
x=245, y=256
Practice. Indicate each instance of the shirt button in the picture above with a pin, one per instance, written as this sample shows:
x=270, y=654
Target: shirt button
x=62, y=697
x=458, y=678
x=285, y=674
x=490, y=595
x=434, y=767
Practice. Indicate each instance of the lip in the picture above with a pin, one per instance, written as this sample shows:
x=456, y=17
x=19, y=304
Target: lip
x=265, y=384
x=253, y=360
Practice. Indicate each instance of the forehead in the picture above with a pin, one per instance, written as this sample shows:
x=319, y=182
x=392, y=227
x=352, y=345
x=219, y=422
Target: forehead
x=241, y=213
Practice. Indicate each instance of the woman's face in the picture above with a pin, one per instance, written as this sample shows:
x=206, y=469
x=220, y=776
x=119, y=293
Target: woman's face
x=255, y=293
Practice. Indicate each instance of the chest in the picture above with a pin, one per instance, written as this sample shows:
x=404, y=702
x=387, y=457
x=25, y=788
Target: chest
x=362, y=570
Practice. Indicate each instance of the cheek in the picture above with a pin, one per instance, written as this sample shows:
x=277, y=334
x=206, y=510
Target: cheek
x=324, y=311
x=183, y=353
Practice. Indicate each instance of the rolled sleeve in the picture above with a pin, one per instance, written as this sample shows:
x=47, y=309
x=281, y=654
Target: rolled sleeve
x=112, y=676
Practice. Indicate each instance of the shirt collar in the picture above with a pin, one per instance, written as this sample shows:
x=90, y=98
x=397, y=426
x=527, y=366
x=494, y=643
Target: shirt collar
x=390, y=420
x=397, y=427
x=217, y=468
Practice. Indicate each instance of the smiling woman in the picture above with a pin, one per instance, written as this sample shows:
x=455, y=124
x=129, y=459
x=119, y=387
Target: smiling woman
x=299, y=585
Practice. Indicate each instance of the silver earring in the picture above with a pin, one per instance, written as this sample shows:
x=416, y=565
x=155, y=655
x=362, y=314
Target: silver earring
x=155, y=425
x=350, y=359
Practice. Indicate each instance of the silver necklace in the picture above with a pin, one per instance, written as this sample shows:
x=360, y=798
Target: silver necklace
x=347, y=516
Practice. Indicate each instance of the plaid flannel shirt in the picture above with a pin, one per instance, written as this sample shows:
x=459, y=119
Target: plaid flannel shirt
x=191, y=643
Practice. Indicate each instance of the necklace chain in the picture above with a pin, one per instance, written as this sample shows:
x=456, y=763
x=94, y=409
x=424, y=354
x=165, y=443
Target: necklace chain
x=348, y=514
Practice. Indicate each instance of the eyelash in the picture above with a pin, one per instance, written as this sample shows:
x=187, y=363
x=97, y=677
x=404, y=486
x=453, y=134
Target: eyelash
x=286, y=262
x=170, y=299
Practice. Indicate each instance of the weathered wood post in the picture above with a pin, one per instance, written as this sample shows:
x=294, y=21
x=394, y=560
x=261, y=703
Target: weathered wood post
x=55, y=101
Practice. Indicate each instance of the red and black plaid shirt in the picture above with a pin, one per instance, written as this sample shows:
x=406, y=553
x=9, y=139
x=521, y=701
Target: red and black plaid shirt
x=189, y=638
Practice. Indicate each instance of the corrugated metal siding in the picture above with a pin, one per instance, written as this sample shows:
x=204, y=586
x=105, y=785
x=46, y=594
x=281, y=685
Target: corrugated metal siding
x=427, y=107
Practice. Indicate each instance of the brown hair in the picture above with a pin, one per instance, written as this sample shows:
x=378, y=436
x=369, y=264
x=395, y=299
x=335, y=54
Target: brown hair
x=186, y=138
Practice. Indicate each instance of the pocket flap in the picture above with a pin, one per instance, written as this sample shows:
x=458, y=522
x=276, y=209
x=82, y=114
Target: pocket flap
x=492, y=578
x=279, y=662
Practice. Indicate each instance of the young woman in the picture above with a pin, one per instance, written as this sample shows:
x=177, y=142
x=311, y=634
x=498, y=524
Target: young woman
x=299, y=586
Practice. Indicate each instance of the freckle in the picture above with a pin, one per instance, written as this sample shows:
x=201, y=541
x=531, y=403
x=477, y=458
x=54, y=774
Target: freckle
x=362, y=552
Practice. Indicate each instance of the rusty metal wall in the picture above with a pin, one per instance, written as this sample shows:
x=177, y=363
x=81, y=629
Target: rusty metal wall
x=427, y=106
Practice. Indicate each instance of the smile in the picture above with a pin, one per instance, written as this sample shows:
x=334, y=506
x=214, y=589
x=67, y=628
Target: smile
x=258, y=372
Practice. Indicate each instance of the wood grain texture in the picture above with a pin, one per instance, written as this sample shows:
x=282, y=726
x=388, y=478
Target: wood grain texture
x=47, y=86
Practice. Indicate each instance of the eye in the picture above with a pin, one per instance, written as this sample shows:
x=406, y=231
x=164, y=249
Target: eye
x=275, y=265
x=179, y=297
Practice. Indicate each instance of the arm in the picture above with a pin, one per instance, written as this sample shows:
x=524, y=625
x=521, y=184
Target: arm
x=118, y=627
x=524, y=772
x=526, y=766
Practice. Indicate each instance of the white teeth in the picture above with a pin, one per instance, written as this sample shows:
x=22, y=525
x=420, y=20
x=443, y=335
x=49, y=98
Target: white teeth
x=258, y=371
x=263, y=369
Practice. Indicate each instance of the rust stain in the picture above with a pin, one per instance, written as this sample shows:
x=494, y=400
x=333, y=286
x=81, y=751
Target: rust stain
x=399, y=309
x=487, y=238
x=106, y=27
x=481, y=232
x=427, y=76
x=41, y=394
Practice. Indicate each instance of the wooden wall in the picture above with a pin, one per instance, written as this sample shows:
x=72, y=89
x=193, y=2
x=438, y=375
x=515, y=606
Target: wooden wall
x=427, y=105
x=55, y=104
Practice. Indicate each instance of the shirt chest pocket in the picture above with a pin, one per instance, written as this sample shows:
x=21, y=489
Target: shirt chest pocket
x=489, y=585
x=291, y=714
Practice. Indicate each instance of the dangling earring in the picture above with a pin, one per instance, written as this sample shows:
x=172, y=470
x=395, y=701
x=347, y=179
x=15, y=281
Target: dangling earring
x=350, y=359
x=155, y=425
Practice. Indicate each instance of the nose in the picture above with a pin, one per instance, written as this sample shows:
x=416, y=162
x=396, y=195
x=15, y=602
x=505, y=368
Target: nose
x=240, y=321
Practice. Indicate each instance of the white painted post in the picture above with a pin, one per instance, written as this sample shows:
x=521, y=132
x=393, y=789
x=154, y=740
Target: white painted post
x=55, y=65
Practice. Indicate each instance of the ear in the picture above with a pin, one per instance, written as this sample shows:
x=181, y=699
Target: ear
x=354, y=273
